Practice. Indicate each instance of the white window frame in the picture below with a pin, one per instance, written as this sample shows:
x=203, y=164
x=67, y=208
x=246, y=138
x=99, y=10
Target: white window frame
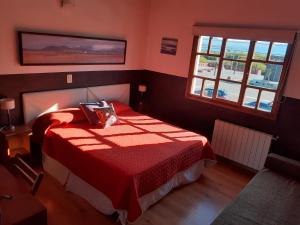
x=271, y=35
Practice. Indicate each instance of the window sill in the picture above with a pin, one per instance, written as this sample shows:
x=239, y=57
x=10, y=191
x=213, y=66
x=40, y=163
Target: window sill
x=231, y=106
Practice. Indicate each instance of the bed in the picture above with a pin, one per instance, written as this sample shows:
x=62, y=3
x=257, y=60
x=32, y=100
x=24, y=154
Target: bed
x=125, y=168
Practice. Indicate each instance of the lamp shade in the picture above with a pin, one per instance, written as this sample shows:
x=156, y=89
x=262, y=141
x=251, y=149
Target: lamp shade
x=142, y=88
x=7, y=103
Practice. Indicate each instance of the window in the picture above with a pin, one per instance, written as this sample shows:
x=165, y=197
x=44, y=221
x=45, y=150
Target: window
x=240, y=73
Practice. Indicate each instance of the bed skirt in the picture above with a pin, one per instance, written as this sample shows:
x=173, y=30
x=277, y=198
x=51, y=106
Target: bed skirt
x=101, y=202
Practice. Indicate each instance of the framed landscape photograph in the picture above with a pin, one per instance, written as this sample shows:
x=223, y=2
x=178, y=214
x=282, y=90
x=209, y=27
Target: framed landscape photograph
x=169, y=46
x=54, y=49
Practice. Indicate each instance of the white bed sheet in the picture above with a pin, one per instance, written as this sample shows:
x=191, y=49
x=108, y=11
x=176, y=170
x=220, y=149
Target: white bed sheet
x=101, y=202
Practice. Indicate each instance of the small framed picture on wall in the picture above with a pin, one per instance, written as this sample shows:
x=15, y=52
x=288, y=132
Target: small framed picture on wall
x=169, y=46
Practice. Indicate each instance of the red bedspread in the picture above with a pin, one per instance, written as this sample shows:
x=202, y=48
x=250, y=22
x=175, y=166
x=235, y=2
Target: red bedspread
x=127, y=160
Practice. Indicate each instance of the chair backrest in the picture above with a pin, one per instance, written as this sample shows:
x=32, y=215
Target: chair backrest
x=31, y=176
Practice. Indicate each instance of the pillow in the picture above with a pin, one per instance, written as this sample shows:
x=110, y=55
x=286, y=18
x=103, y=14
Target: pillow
x=89, y=111
x=106, y=115
x=48, y=120
x=119, y=107
x=99, y=113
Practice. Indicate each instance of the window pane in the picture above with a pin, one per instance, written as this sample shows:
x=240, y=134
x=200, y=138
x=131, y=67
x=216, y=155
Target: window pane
x=266, y=101
x=196, y=86
x=250, y=97
x=203, y=42
x=237, y=49
x=261, y=50
x=215, y=46
x=209, y=87
x=206, y=66
x=232, y=70
x=229, y=91
x=278, y=52
x=265, y=75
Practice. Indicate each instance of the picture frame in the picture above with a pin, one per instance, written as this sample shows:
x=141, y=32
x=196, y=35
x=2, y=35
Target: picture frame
x=57, y=49
x=169, y=46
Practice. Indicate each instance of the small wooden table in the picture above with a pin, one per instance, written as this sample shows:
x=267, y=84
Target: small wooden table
x=23, y=208
x=13, y=142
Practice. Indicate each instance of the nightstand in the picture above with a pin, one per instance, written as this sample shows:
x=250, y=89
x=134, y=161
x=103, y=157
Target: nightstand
x=13, y=142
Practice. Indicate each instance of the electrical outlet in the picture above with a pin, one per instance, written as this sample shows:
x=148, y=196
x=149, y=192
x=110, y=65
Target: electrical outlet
x=69, y=78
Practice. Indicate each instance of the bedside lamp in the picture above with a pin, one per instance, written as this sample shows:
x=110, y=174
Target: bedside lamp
x=142, y=89
x=8, y=104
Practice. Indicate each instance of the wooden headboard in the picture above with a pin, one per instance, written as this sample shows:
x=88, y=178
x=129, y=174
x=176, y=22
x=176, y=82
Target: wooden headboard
x=38, y=103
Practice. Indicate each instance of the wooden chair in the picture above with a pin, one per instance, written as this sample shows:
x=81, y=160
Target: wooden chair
x=28, y=173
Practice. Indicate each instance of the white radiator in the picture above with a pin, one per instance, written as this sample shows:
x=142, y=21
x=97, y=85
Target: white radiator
x=240, y=144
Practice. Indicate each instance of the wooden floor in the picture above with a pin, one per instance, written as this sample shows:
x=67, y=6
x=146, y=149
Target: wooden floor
x=198, y=203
